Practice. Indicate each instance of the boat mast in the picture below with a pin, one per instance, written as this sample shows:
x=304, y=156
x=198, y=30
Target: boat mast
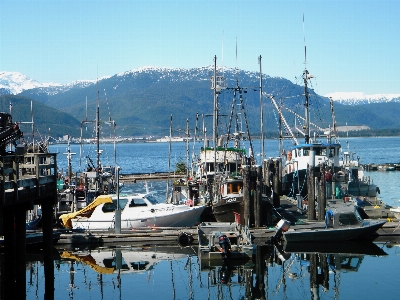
x=306, y=77
x=169, y=157
x=187, y=148
x=215, y=124
x=306, y=106
x=98, y=132
x=194, y=144
x=261, y=114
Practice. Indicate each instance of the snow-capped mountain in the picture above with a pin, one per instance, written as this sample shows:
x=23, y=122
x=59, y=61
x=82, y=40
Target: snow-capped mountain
x=127, y=96
x=15, y=82
x=357, y=98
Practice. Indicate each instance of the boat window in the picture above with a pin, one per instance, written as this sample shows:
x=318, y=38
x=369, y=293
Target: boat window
x=359, y=218
x=137, y=202
x=331, y=152
x=234, y=188
x=306, y=151
x=347, y=219
x=139, y=265
x=151, y=199
x=111, y=263
x=323, y=152
x=111, y=207
x=232, y=167
x=350, y=263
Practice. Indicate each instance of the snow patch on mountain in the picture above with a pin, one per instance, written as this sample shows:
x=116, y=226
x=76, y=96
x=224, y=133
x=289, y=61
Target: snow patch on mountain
x=354, y=98
x=15, y=82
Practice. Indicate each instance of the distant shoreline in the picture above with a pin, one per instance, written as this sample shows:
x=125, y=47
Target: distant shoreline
x=361, y=133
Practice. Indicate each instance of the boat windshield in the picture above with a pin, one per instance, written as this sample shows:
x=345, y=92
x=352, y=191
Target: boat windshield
x=348, y=219
x=111, y=207
x=356, y=213
x=151, y=199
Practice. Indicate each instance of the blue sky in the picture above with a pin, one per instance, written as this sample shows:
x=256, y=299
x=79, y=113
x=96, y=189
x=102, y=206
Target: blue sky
x=352, y=45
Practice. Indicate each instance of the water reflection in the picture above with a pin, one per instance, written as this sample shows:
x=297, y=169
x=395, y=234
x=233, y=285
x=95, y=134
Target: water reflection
x=320, y=260
x=292, y=271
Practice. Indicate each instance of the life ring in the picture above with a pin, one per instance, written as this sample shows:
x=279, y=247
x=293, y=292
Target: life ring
x=289, y=156
x=339, y=176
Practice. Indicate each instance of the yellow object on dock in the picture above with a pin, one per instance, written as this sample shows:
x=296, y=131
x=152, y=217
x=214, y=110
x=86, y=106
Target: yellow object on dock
x=66, y=218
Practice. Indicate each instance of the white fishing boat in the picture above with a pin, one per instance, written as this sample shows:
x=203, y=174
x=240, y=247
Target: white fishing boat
x=322, y=147
x=137, y=210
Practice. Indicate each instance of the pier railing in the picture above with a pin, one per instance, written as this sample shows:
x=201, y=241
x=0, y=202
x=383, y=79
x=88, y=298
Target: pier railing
x=27, y=178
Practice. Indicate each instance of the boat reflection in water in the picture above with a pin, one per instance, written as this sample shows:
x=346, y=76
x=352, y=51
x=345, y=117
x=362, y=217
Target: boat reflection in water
x=294, y=271
x=320, y=260
x=125, y=260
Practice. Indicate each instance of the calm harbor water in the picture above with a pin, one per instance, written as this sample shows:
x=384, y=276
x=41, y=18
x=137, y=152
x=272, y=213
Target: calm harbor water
x=155, y=272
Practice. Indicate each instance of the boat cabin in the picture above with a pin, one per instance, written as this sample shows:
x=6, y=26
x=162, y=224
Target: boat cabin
x=312, y=154
x=227, y=159
x=339, y=219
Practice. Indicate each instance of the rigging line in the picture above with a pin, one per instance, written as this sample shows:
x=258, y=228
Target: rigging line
x=302, y=118
x=230, y=122
x=281, y=116
x=194, y=143
x=247, y=125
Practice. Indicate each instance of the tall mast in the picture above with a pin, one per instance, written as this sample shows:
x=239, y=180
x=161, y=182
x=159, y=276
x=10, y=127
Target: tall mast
x=261, y=114
x=215, y=124
x=306, y=106
x=215, y=116
x=187, y=148
x=169, y=156
x=98, y=130
x=215, y=111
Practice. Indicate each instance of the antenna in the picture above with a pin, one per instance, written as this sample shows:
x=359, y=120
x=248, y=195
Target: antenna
x=305, y=47
x=237, y=75
x=222, y=53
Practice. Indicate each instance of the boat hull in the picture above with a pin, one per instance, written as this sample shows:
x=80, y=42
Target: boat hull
x=333, y=235
x=228, y=211
x=294, y=183
x=177, y=216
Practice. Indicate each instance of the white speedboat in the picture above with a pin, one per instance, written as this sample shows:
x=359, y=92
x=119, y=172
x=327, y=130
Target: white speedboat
x=137, y=210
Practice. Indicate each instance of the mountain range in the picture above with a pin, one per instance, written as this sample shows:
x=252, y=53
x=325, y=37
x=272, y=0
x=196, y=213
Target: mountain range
x=141, y=102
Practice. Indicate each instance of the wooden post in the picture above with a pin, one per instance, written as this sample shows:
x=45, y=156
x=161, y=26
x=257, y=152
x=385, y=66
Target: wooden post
x=268, y=176
x=333, y=181
x=322, y=194
x=20, y=253
x=311, y=193
x=257, y=202
x=261, y=274
x=324, y=271
x=313, y=269
x=277, y=189
x=9, y=255
x=47, y=225
x=244, y=220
